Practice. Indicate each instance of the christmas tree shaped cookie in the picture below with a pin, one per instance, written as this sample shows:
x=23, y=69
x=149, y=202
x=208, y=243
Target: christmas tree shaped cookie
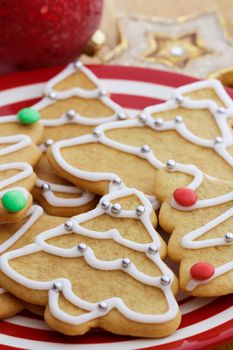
x=192, y=128
x=199, y=215
x=17, y=154
x=56, y=195
x=103, y=268
x=11, y=236
x=75, y=101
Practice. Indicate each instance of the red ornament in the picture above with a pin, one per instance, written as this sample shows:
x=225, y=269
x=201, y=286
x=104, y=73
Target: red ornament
x=202, y=271
x=185, y=196
x=39, y=33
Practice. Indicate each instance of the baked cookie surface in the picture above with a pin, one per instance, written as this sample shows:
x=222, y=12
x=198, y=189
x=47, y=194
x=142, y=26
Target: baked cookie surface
x=113, y=247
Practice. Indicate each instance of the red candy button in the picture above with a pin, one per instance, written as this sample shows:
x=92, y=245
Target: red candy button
x=202, y=271
x=185, y=196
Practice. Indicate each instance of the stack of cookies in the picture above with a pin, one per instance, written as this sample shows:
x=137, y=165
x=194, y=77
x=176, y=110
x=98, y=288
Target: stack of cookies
x=86, y=253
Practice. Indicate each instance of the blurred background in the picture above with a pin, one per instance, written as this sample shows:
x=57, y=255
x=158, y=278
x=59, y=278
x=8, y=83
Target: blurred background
x=191, y=37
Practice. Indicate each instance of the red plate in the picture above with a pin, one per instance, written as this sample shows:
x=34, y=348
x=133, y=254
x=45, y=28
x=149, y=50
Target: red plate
x=206, y=322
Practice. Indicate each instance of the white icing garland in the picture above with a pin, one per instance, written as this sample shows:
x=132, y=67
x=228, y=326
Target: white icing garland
x=219, y=113
x=103, y=139
x=188, y=242
x=51, y=198
x=75, y=91
x=34, y=214
x=149, y=121
x=17, y=142
x=219, y=145
x=63, y=285
x=99, y=92
x=26, y=171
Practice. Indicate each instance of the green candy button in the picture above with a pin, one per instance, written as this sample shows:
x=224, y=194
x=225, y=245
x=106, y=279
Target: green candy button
x=14, y=201
x=28, y=116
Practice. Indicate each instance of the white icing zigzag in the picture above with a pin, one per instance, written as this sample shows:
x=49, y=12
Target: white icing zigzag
x=73, y=117
x=99, y=136
x=188, y=242
x=95, y=310
x=17, y=142
x=219, y=113
x=220, y=144
x=34, y=214
x=26, y=171
x=51, y=198
x=55, y=201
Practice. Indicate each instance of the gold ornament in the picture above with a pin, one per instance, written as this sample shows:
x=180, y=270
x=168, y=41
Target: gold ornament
x=175, y=51
x=195, y=45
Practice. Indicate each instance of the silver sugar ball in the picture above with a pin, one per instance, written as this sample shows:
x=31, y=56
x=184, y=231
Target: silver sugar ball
x=105, y=204
x=78, y=64
x=170, y=164
x=116, y=208
x=153, y=249
x=45, y=187
x=117, y=181
x=81, y=247
x=178, y=119
x=103, y=306
x=70, y=114
x=68, y=225
x=221, y=110
x=126, y=262
x=165, y=280
x=57, y=286
x=228, y=237
x=142, y=118
x=140, y=210
x=179, y=99
x=52, y=95
x=218, y=140
x=97, y=133
x=48, y=142
x=158, y=122
x=121, y=115
x=145, y=148
x=102, y=92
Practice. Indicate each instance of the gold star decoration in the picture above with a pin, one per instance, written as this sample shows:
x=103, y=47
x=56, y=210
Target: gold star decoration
x=175, y=51
x=196, y=45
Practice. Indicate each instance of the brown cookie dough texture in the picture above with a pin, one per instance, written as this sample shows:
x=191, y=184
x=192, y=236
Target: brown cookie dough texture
x=79, y=98
x=180, y=223
x=86, y=233
x=135, y=149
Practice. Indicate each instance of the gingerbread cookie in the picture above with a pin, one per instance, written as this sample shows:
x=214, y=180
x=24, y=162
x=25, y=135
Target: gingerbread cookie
x=199, y=215
x=10, y=236
x=114, y=248
x=56, y=195
x=17, y=178
x=75, y=101
x=10, y=305
x=193, y=127
x=13, y=235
